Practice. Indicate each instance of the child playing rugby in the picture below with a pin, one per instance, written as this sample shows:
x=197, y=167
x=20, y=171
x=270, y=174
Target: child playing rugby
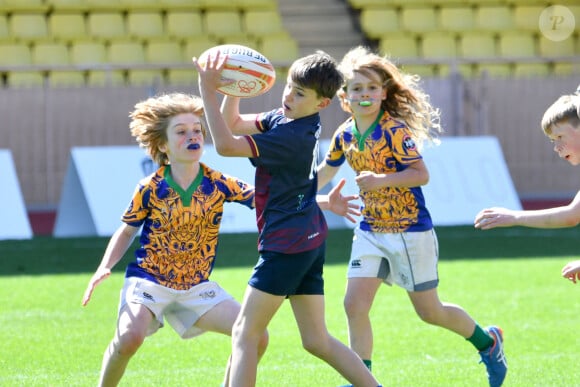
x=395, y=241
x=283, y=146
x=561, y=124
x=178, y=208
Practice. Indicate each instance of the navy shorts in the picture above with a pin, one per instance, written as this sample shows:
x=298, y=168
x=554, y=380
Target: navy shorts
x=290, y=274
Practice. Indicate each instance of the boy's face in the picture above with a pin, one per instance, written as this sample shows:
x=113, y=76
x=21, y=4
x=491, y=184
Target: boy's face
x=566, y=139
x=298, y=101
x=184, y=139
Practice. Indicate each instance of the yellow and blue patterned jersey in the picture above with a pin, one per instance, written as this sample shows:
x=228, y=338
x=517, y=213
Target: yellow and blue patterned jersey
x=180, y=227
x=386, y=147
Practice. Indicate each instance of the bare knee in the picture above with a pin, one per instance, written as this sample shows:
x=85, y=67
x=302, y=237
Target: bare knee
x=430, y=315
x=128, y=343
x=263, y=343
x=354, y=308
x=316, y=345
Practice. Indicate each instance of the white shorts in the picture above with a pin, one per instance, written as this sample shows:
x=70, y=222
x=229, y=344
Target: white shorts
x=181, y=308
x=408, y=259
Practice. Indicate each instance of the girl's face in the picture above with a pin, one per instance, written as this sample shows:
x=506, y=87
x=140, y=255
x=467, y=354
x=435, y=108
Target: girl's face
x=184, y=139
x=365, y=94
x=566, y=139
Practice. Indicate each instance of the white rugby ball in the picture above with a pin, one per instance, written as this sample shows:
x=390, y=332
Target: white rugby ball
x=252, y=72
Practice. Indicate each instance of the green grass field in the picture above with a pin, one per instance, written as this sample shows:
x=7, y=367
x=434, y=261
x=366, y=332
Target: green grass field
x=508, y=277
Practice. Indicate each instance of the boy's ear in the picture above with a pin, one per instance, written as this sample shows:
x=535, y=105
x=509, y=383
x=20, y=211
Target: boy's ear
x=324, y=103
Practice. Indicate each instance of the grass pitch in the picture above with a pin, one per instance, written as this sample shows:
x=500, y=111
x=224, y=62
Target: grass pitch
x=508, y=277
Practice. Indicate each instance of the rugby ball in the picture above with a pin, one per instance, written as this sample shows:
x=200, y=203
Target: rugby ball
x=252, y=72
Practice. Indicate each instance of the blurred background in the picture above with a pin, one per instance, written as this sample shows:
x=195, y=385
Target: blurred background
x=72, y=70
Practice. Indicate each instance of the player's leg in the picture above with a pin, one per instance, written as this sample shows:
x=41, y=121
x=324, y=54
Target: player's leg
x=257, y=310
x=309, y=313
x=358, y=300
x=132, y=325
x=221, y=319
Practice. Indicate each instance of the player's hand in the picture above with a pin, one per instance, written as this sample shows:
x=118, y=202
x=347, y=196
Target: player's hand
x=99, y=276
x=343, y=205
x=495, y=217
x=369, y=181
x=210, y=71
x=571, y=271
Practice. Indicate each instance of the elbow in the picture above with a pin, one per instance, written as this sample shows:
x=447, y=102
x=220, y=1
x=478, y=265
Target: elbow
x=423, y=178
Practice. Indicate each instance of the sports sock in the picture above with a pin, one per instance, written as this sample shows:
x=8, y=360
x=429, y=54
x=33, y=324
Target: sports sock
x=368, y=363
x=480, y=338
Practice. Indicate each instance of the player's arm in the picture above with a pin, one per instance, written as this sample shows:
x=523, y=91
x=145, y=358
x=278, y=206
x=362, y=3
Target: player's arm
x=415, y=175
x=557, y=217
x=116, y=248
x=226, y=144
x=325, y=174
x=240, y=124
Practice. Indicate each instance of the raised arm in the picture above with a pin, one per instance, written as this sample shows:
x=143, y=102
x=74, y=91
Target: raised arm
x=240, y=124
x=225, y=142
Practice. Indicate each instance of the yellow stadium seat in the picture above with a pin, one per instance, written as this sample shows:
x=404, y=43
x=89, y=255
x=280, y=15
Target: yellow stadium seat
x=23, y=79
x=418, y=69
x=220, y=24
x=362, y=4
x=418, y=19
x=23, y=6
x=145, y=25
x=552, y=49
x=495, y=70
x=194, y=47
x=138, y=77
x=28, y=26
x=106, y=25
x=15, y=54
x=175, y=5
x=67, y=26
x=106, y=78
x=452, y=18
x=399, y=46
x=377, y=22
x=257, y=4
x=566, y=68
x=477, y=45
x=242, y=40
x=526, y=17
x=465, y=70
x=50, y=53
x=532, y=69
x=141, y=5
x=439, y=45
x=494, y=18
x=126, y=53
x=181, y=77
x=66, y=78
x=87, y=53
x=4, y=30
x=183, y=24
x=164, y=52
x=105, y=5
x=262, y=22
x=516, y=45
x=279, y=48
x=218, y=5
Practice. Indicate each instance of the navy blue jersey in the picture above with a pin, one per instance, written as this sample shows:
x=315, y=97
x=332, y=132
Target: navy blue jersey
x=286, y=156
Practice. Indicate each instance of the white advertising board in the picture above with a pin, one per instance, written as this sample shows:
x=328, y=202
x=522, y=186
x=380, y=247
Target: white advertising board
x=467, y=174
x=16, y=224
x=100, y=182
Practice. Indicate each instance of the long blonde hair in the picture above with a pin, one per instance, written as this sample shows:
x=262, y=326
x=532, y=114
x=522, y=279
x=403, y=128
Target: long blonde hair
x=406, y=100
x=151, y=117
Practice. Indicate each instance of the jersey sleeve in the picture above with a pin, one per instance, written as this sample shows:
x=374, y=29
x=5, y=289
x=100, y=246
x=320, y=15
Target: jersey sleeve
x=335, y=153
x=138, y=208
x=404, y=147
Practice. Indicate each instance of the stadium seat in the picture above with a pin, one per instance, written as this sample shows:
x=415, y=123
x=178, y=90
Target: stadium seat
x=106, y=25
x=493, y=18
x=181, y=77
x=50, y=53
x=438, y=45
x=262, y=22
x=246, y=5
x=526, y=17
x=418, y=19
x=195, y=46
x=67, y=26
x=399, y=46
x=516, y=44
x=105, y=5
x=378, y=22
x=176, y=5
x=164, y=52
x=552, y=49
x=138, y=77
x=279, y=48
x=453, y=18
x=566, y=68
x=220, y=24
x=88, y=53
x=477, y=45
x=24, y=79
x=141, y=5
x=69, y=5
x=4, y=30
x=28, y=26
x=362, y=4
x=16, y=6
x=66, y=78
x=126, y=53
x=532, y=69
x=15, y=54
x=183, y=24
x=445, y=70
x=106, y=78
x=145, y=25
x=421, y=70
